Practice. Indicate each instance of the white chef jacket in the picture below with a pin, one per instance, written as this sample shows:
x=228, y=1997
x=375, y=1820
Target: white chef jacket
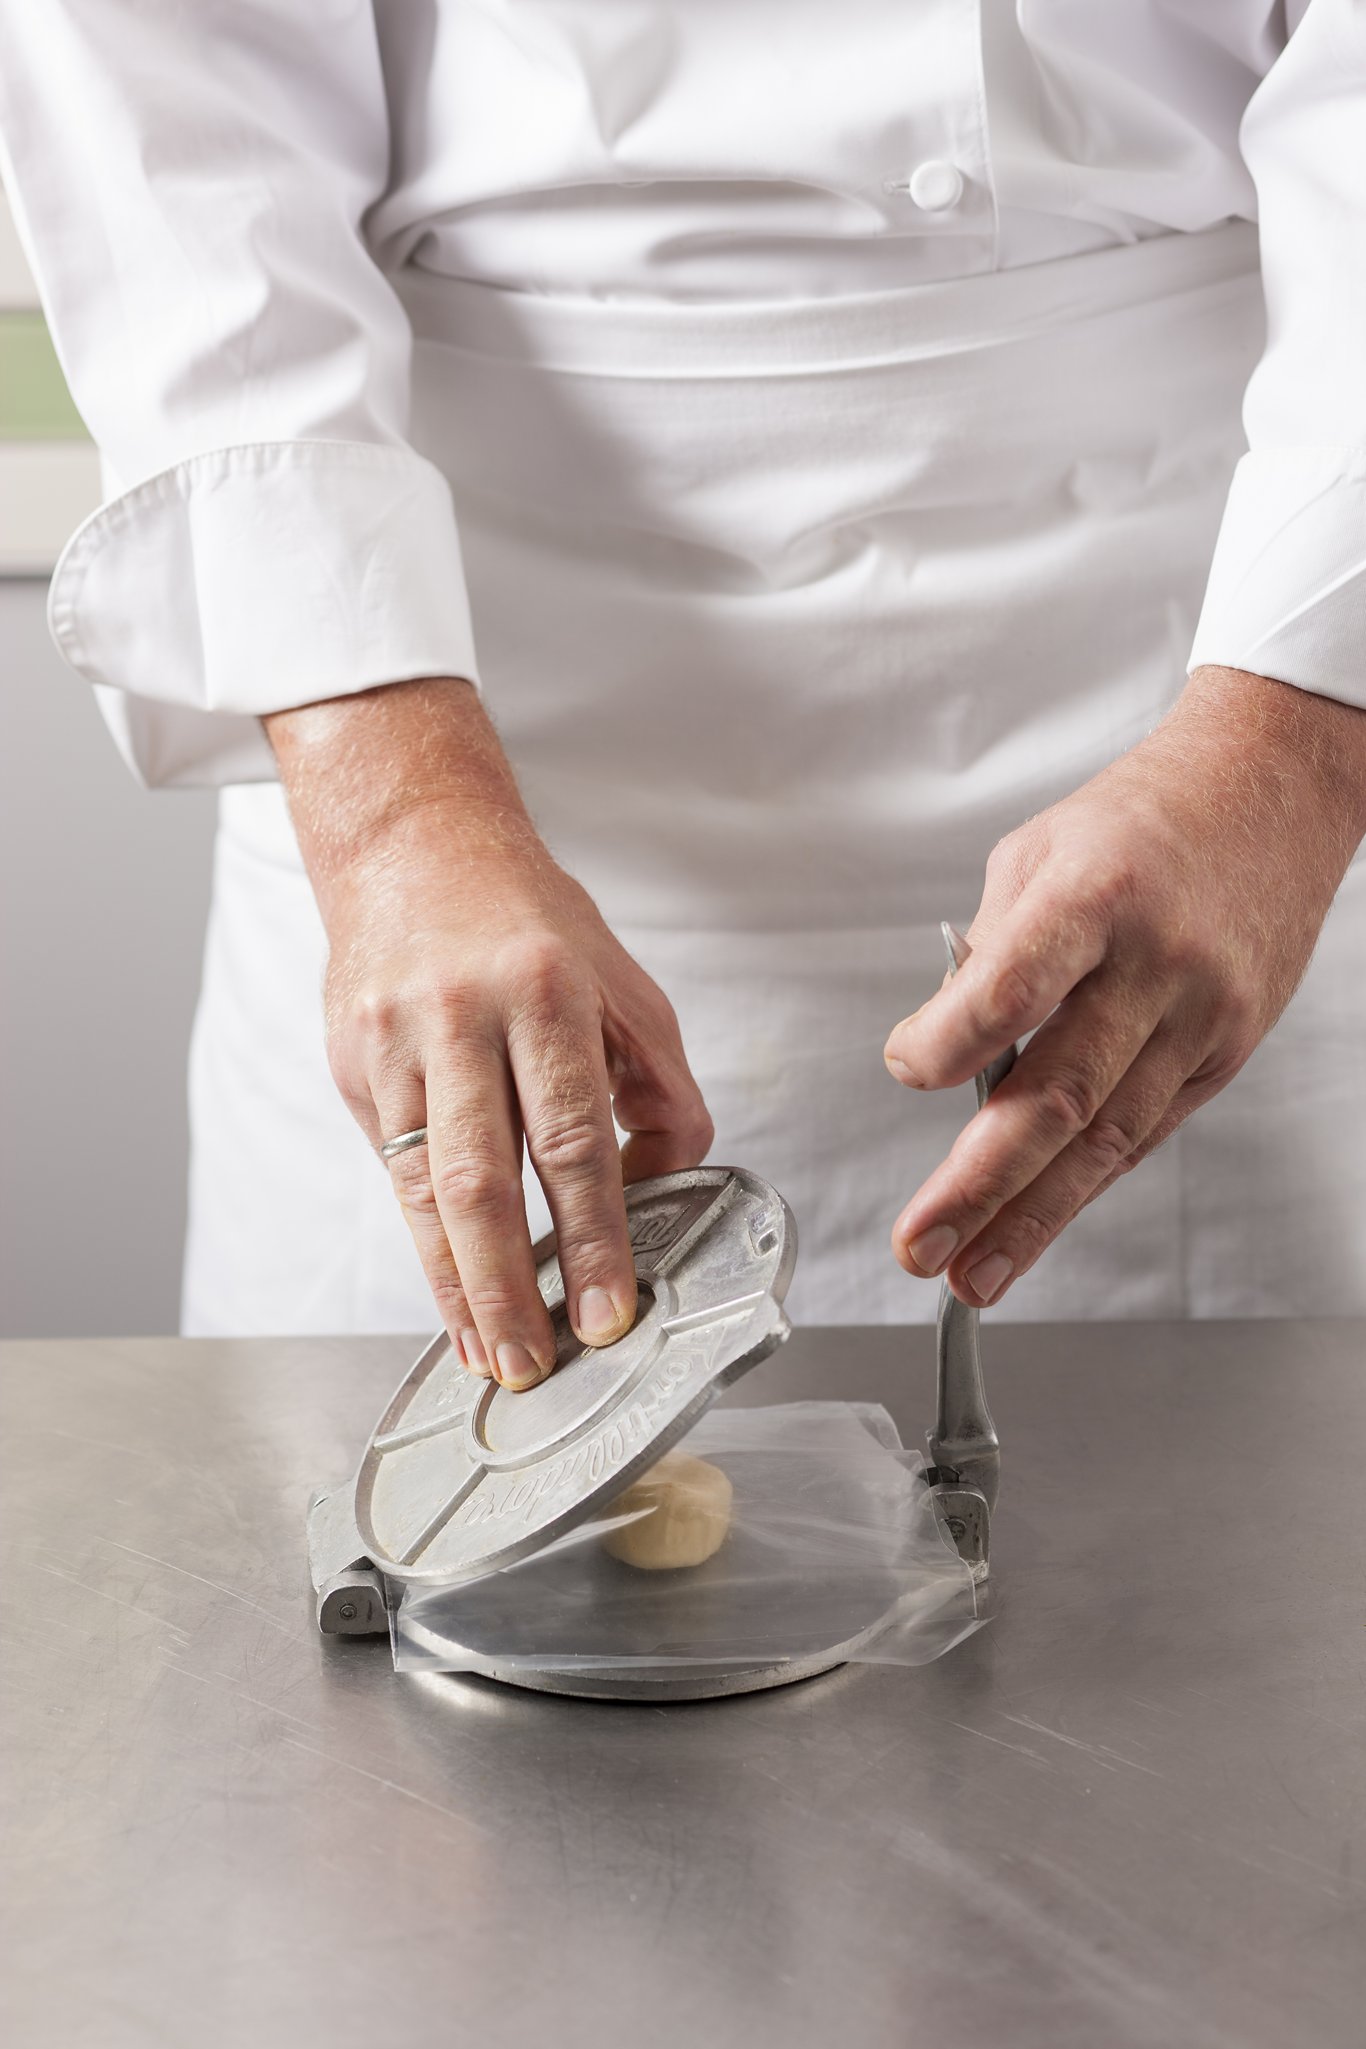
x=215, y=200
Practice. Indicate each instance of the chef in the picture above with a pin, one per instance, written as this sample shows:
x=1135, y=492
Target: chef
x=642, y=510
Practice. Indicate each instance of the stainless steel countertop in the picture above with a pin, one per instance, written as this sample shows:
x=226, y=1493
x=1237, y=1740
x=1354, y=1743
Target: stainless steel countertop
x=1132, y=1811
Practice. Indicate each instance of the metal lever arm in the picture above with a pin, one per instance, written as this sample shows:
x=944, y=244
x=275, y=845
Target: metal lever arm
x=964, y=1447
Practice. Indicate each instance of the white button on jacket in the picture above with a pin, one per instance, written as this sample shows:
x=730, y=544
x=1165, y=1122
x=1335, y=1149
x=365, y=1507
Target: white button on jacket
x=936, y=186
x=217, y=201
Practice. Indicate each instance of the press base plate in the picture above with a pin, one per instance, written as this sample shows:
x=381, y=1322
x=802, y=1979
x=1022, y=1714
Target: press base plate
x=706, y=1682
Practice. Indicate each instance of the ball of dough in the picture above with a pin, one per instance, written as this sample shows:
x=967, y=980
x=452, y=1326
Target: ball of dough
x=689, y=1514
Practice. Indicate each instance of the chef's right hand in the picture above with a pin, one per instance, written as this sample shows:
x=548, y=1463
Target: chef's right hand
x=473, y=987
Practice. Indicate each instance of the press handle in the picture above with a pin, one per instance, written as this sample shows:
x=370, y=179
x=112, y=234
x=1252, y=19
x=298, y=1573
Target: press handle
x=964, y=1446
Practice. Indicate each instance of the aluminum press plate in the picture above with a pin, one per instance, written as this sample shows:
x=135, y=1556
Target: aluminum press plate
x=462, y=1477
x=672, y=1683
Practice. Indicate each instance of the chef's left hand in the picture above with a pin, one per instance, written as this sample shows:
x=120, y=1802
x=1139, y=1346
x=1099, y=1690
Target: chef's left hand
x=1159, y=921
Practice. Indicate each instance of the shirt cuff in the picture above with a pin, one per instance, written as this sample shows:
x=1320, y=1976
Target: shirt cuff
x=255, y=578
x=1286, y=596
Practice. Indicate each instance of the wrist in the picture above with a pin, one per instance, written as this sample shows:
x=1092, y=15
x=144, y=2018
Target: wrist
x=403, y=776
x=1295, y=740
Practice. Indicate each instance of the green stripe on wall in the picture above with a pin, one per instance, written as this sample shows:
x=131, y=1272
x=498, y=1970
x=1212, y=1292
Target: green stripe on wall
x=35, y=404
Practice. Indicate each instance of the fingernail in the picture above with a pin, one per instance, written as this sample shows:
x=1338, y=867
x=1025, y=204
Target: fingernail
x=899, y=1071
x=597, y=1317
x=474, y=1352
x=989, y=1275
x=933, y=1250
x=516, y=1367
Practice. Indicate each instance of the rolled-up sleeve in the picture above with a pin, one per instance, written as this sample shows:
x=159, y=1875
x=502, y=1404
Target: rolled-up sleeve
x=191, y=184
x=1287, y=589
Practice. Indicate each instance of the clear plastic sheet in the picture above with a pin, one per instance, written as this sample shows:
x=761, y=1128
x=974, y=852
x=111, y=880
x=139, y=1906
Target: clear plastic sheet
x=833, y=1545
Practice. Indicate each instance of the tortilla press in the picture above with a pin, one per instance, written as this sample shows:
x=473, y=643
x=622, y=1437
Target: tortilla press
x=461, y=1477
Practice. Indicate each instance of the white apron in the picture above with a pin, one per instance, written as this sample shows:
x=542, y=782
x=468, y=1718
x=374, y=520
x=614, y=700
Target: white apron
x=786, y=613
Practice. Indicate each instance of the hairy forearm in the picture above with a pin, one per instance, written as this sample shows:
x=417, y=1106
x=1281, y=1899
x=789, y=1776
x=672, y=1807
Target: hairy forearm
x=1286, y=735
x=371, y=776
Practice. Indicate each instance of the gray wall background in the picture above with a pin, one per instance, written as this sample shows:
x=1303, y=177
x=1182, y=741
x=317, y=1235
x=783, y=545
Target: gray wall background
x=102, y=905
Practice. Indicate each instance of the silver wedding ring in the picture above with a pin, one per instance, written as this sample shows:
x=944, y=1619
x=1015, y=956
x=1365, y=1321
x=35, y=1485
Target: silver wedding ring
x=404, y=1141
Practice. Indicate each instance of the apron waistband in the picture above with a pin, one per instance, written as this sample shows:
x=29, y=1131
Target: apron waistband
x=775, y=338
